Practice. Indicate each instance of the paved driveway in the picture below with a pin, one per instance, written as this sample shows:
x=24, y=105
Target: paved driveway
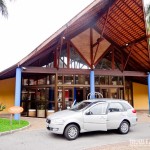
x=41, y=139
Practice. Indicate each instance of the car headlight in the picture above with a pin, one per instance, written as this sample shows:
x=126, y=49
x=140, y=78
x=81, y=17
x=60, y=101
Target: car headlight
x=57, y=121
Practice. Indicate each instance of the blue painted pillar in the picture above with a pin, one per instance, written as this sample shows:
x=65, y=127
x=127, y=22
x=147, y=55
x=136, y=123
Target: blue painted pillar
x=75, y=96
x=18, y=91
x=92, y=84
x=149, y=90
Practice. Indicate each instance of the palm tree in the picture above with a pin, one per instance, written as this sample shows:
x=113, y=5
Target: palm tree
x=148, y=14
x=148, y=22
x=3, y=8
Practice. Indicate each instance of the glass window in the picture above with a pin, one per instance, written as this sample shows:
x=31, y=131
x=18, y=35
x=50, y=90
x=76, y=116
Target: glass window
x=120, y=81
x=76, y=79
x=60, y=79
x=81, y=79
x=80, y=106
x=87, y=80
x=25, y=82
x=113, y=80
x=115, y=107
x=41, y=81
x=41, y=94
x=104, y=80
x=99, y=109
x=52, y=79
x=68, y=79
x=126, y=106
x=97, y=80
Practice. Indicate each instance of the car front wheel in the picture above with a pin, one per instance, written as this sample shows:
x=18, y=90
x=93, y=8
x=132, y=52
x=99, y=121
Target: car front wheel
x=71, y=132
x=124, y=127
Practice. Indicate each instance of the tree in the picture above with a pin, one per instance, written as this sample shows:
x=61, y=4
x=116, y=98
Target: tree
x=3, y=8
x=148, y=14
x=148, y=22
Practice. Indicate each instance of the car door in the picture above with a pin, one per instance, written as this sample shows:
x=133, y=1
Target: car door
x=116, y=114
x=95, y=117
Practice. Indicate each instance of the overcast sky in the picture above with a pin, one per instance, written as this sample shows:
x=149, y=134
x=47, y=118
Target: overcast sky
x=30, y=22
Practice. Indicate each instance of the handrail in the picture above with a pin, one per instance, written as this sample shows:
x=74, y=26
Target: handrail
x=95, y=94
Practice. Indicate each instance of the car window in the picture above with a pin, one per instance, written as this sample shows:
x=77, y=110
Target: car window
x=126, y=106
x=98, y=109
x=115, y=107
x=80, y=106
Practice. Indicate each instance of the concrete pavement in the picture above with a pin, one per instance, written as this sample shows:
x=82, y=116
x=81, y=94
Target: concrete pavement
x=37, y=137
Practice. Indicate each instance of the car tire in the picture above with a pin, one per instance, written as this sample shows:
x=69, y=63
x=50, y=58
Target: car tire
x=71, y=132
x=124, y=127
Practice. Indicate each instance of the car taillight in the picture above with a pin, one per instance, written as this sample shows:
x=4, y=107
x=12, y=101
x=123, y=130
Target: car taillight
x=134, y=111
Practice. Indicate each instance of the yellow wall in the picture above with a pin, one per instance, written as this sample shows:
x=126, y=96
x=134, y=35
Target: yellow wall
x=140, y=96
x=7, y=93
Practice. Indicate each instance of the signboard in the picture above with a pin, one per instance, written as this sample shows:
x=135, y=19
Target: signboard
x=15, y=110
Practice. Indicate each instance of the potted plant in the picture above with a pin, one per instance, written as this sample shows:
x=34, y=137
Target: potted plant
x=41, y=110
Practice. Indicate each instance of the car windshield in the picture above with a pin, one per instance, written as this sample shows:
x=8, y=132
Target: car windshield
x=80, y=106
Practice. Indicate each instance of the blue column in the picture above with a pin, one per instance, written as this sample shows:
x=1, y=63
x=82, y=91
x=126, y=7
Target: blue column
x=92, y=84
x=18, y=91
x=149, y=91
x=75, y=96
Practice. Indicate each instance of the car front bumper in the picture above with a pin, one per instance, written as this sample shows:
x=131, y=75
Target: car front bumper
x=54, y=128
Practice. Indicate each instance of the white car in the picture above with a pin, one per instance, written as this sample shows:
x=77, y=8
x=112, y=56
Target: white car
x=93, y=115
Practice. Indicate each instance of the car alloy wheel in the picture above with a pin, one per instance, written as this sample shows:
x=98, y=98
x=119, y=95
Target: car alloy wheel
x=71, y=132
x=124, y=127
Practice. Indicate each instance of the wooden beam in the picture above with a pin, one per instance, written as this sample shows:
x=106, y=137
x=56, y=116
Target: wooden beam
x=106, y=19
x=91, y=47
x=128, y=17
x=138, y=5
x=122, y=62
x=103, y=55
x=98, y=41
x=133, y=11
x=115, y=72
x=80, y=54
x=115, y=45
x=146, y=62
x=127, y=58
x=113, y=59
x=138, y=40
x=96, y=52
x=127, y=25
x=68, y=54
x=92, y=21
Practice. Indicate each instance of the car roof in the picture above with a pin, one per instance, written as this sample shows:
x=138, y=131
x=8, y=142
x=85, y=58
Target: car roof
x=105, y=100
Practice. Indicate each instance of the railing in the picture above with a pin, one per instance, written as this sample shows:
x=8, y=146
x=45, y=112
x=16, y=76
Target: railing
x=95, y=94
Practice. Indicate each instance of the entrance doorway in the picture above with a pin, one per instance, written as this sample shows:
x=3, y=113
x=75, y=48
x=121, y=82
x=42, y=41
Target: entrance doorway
x=65, y=97
x=78, y=94
x=68, y=95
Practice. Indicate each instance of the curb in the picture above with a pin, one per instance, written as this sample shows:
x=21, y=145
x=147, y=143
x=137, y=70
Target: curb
x=13, y=131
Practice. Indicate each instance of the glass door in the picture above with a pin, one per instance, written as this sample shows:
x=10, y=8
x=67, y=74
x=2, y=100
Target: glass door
x=68, y=97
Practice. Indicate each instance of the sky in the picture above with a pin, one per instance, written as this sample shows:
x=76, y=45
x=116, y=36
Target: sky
x=30, y=22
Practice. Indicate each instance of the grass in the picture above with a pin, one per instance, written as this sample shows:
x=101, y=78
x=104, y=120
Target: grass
x=5, y=124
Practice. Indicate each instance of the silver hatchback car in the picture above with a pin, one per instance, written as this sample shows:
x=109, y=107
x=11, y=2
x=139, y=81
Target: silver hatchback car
x=93, y=115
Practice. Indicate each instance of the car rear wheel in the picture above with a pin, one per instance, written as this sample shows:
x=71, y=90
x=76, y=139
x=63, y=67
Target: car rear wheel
x=71, y=132
x=124, y=127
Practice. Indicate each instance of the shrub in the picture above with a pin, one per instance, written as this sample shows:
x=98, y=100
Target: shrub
x=2, y=107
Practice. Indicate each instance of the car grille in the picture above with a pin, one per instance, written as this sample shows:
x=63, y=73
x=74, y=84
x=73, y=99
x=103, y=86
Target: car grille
x=48, y=121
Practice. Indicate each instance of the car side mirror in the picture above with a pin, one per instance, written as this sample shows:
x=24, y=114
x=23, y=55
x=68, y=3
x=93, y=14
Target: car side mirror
x=88, y=113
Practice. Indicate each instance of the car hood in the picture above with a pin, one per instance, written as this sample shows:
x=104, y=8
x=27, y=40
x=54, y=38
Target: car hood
x=63, y=114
